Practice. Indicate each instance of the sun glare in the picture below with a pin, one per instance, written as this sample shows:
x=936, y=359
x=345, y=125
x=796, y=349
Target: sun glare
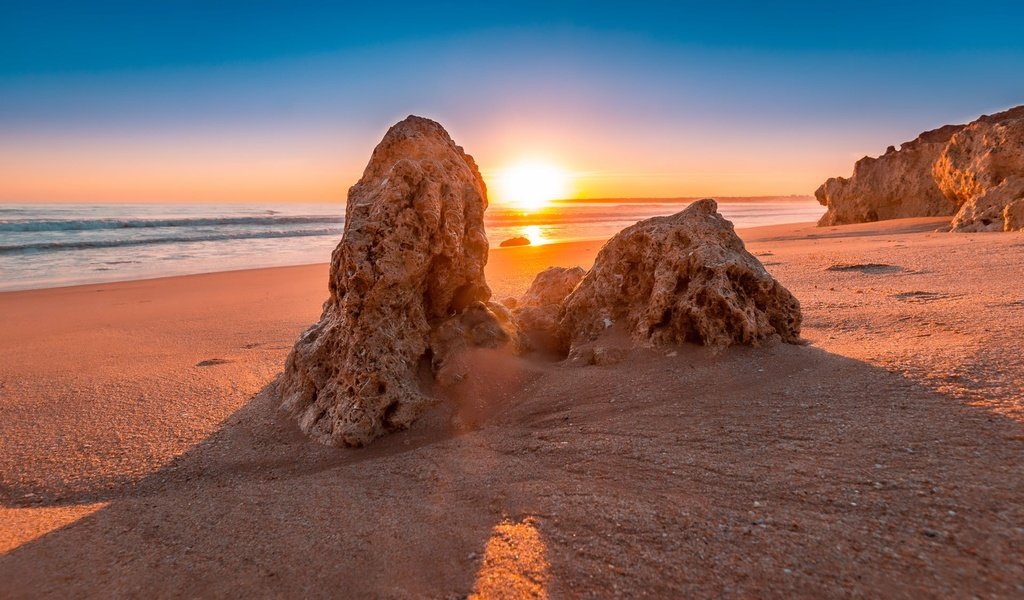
x=535, y=234
x=531, y=185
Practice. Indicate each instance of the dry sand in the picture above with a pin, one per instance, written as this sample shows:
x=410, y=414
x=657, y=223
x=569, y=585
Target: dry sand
x=138, y=457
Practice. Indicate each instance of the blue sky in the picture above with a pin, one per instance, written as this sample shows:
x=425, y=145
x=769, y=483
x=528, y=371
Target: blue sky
x=285, y=100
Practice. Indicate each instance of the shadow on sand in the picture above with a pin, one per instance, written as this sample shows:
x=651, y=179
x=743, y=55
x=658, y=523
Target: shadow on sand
x=783, y=471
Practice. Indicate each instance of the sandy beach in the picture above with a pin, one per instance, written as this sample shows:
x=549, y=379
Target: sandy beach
x=141, y=456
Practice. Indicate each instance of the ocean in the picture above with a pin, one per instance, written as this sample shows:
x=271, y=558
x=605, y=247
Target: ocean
x=51, y=245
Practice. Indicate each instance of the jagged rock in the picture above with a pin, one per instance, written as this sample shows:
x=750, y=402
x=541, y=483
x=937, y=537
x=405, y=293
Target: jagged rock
x=971, y=171
x=407, y=289
x=552, y=285
x=1013, y=216
x=982, y=171
x=536, y=312
x=896, y=185
x=682, y=278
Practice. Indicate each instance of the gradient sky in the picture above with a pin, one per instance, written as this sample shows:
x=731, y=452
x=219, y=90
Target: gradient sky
x=283, y=101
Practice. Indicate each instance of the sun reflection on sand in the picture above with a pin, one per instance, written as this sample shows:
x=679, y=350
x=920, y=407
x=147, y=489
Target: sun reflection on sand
x=515, y=563
x=22, y=525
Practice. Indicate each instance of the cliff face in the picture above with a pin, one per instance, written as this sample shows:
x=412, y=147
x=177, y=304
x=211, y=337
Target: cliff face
x=982, y=171
x=937, y=174
x=895, y=185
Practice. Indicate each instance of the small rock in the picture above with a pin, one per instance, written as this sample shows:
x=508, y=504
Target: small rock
x=515, y=241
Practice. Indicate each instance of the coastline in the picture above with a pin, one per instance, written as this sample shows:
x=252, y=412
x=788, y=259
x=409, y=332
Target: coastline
x=535, y=256
x=65, y=245
x=131, y=405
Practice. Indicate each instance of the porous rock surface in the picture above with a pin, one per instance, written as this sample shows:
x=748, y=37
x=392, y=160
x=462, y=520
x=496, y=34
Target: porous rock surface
x=552, y=285
x=681, y=278
x=982, y=171
x=896, y=185
x=407, y=289
x=971, y=171
x=536, y=313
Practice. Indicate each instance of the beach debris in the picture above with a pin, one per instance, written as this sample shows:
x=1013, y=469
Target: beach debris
x=536, y=313
x=973, y=171
x=406, y=288
x=515, y=241
x=681, y=278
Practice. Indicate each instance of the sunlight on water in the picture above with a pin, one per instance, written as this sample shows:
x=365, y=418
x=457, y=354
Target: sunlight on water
x=48, y=245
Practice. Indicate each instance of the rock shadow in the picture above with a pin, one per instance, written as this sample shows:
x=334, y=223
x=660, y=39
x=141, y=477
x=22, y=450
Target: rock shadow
x=785, y=469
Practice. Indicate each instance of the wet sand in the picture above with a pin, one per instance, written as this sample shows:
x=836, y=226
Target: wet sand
x=141, y=455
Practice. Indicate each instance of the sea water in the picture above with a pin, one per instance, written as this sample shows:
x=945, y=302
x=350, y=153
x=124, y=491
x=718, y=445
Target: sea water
x=49, y=245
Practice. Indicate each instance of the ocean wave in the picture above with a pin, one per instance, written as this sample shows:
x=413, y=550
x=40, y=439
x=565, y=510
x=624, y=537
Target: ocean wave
x=94, y=224
x=180, y=239
x=495, y=217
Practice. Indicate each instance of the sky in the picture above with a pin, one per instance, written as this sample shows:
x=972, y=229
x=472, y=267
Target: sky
x=284, y=101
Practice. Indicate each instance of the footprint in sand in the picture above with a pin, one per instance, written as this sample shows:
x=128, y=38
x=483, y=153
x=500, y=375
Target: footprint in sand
x=213, y=361
x=918, y=296
x=869, y=268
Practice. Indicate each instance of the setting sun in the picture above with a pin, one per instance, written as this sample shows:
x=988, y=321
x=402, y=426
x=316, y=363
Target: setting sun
x=531, y=185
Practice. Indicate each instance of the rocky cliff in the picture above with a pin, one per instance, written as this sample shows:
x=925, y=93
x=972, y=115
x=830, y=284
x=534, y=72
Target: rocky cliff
x=970, y=171
x=981, y=170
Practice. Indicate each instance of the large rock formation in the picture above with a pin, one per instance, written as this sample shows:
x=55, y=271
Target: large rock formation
x=682, y=278
x=406, y=286
x=966, y=170
x=982, y=171
x=895, y=185
x=536, y=313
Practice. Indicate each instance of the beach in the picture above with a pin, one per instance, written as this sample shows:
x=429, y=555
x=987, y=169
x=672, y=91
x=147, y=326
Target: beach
x=141, y=453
